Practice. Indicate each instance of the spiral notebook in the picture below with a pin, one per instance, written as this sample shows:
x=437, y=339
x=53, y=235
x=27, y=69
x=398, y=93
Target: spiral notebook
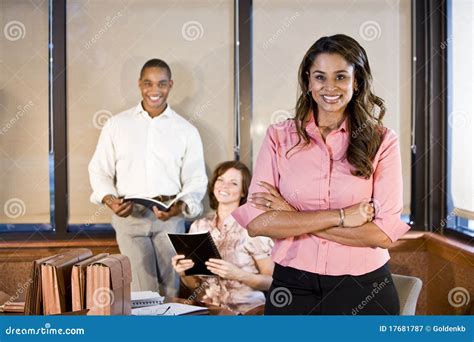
x=146, y=298
x=199, y=247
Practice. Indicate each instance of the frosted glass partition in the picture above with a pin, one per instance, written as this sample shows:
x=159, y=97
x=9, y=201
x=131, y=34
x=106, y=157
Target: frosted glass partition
x=107, y=44
x=24, y=134
x=284, y=30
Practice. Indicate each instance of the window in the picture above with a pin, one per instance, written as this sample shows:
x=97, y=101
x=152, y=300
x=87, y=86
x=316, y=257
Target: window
x=284, y=30
x=107, y=44
x=24, y=113
x=460, y=45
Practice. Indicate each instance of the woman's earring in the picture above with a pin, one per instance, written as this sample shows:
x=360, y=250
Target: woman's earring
x=308, y=92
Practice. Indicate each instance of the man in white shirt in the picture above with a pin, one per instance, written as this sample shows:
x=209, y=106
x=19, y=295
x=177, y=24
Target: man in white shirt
x=149, y=151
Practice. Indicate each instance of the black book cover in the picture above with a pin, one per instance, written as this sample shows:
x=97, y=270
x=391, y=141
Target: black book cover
x=197, y=247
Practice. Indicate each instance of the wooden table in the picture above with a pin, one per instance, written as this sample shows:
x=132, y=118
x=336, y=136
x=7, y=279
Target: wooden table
x=214, y=310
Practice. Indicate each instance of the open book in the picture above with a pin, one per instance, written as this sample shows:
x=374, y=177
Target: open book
x=199, y=247
x=150, y=202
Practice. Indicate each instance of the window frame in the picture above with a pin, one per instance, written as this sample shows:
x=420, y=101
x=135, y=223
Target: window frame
x=429, y=115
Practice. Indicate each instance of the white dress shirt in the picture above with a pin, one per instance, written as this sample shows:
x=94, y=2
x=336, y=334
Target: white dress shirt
x=142, y=156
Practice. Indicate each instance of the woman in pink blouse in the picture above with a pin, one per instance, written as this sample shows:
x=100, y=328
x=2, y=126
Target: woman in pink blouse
x=246, y=267
x=327, y=186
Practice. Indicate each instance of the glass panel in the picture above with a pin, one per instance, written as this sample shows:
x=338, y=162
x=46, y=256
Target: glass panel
x=24, y=132
x=460, y=45
x=109, y=41
x=283, y=32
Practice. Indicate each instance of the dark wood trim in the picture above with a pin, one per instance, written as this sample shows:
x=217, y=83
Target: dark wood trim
x=457, y=251
x=412, y=241
x=32, y=249
x=59, y=117
x=244, y=45
x=441, y=263
x=83, y=242
x=429, y=152
x=454, y=250
x=46, y=238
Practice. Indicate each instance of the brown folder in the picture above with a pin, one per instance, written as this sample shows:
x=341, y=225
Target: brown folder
x=78, y=281
x=56, y=280
x=108, y=286
x=34, y=298
x=100, y=295
x=13, y=307
x=7, y=305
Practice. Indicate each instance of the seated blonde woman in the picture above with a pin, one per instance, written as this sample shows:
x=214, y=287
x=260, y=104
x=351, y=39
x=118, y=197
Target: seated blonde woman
x=246, y=268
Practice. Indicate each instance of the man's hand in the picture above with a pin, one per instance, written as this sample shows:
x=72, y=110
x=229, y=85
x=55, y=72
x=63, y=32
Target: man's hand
x=175, y=209
x=118, y=206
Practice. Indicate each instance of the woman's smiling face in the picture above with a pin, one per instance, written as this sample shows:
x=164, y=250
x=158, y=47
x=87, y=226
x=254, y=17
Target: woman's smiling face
x=228, y=187
x=331, y=82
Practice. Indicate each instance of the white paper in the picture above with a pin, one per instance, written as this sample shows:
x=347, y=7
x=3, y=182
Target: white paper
x=167, y=309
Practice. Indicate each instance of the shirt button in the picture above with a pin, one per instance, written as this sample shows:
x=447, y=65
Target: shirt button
x=324, y=242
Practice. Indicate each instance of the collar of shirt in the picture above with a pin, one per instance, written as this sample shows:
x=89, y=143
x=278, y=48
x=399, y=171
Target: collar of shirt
x=227, y=224
x=168, y=112
x=227, y=221
x=336, y=142
x=313, y=130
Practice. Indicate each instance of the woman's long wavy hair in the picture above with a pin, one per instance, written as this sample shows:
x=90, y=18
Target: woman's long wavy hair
x=365, y=110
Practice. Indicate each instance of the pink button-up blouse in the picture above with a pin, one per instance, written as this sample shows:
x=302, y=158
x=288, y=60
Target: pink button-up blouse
x=318, y=177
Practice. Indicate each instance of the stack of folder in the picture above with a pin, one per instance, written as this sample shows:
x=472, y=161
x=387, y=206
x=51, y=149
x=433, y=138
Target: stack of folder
x=75, y=281
x=49, y=291
x=56, y=280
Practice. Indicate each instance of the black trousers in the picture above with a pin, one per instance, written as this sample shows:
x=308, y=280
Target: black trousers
x=296, y=292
